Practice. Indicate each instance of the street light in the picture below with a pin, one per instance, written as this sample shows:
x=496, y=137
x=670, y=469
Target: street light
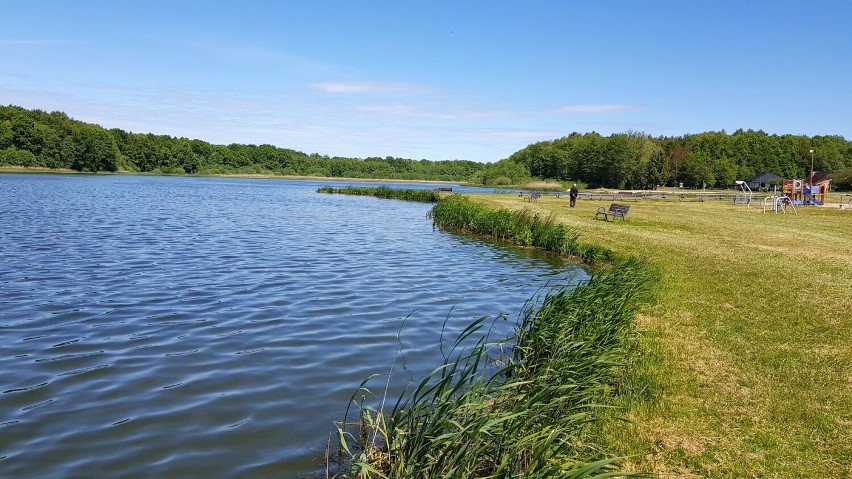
x=812, y=167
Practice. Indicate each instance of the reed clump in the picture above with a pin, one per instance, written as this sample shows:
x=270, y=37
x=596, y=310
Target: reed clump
x=529, y=405
x=523, y=227
x=525, y=406
x=419, y=195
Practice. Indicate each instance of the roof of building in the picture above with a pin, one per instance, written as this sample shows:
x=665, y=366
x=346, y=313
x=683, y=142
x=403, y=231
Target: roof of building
x=820, y=177
x=764, y=178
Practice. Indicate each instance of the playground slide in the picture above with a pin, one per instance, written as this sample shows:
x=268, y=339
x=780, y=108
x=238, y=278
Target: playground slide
x=810, y=197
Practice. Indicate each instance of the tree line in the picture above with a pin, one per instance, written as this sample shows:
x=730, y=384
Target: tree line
x=712, y=159
x=34, y=138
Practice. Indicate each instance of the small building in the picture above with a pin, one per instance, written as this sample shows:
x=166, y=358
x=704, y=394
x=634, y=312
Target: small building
x=820, y=178
x=764, y=181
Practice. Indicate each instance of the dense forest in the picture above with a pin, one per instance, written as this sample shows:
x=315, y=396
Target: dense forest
x=34, y=138
x=711, y=159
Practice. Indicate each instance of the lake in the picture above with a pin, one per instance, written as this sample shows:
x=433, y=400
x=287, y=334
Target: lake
x=215, y=327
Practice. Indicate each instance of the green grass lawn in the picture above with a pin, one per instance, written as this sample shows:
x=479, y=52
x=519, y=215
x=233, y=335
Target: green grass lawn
x=754, y=317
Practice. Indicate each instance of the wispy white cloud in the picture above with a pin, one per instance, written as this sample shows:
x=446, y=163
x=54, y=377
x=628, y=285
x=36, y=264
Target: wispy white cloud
x=256, y=55
x=523, y=134
x=367, y=87
x=438, y=109
x=414, y=112
x=39, y=42
x=396, y=119
x=406, y=102
x=592, y=108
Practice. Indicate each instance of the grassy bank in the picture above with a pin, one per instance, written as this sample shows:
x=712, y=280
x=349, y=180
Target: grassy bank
x=755, y=316
x=532, y=405
x=523, y=227
x=35, y=170
x=527, y=406
x=423, y=196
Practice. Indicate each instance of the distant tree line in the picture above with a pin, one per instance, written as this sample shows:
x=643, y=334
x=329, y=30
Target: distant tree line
x=712, y=159
x=34, y=138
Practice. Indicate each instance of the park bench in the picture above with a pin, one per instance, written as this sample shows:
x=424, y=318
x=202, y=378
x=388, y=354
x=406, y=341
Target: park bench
x=615, y=211
x=532, y=197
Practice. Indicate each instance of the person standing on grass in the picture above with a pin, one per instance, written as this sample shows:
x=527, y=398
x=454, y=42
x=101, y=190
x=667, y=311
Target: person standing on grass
x=572, y=194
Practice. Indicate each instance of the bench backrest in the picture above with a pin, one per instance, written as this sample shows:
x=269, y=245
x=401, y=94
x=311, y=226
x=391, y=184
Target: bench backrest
x=617, y=208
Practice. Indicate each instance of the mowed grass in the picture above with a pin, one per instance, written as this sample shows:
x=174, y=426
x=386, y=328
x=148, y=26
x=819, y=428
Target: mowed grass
x=754, y=317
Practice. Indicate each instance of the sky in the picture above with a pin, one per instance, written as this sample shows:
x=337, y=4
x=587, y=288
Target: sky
x=437, y=80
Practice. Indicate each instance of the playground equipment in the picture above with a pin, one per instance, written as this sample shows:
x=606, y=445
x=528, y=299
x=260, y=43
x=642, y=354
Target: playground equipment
x=779, y=203
x=745, y=194
x=802, y=193
x=810, y=196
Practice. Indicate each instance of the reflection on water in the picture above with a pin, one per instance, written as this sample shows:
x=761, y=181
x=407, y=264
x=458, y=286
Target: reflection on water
x=192, y=327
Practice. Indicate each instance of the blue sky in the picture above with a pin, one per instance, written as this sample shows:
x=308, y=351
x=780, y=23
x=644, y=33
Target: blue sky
x=438, y=80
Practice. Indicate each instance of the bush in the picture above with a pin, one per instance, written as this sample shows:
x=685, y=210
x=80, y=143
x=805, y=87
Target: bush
x=14, y=157
x=841, y=180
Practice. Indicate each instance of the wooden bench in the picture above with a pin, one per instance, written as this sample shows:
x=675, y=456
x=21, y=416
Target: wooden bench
x=532, y=197
x=615, y=211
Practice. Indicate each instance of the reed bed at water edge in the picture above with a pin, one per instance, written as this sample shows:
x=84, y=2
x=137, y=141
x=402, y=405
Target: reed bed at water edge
x=419, y=195
x=523, y=227
x=526, y=406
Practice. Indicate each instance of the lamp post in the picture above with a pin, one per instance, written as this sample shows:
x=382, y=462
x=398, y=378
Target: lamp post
x=811, y=183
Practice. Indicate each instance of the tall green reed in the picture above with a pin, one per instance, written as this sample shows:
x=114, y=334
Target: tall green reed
x=524, y=228
x=420, y=195
x=531, y=412
x=529, y=405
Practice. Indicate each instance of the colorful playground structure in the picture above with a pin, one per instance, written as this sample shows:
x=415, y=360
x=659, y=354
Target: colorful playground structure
x=793, y=192
x=801, y=192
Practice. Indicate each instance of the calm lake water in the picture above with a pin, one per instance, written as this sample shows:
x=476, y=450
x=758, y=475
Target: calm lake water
x=204, y=327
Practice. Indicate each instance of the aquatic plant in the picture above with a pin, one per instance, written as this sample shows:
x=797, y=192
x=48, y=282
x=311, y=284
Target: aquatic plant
x=420, y=195
x=530, y=412
x=524, y=228
x=532, y=404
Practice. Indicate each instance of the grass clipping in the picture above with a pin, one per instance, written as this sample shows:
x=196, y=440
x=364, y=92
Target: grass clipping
x=531, y=412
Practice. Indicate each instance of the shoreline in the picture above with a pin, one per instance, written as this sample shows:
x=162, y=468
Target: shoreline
x=61, y=171
x=571, y=372
x=743, y=358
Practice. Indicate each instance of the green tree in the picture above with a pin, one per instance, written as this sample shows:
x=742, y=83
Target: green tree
x=504, y=172
x=698, y=170
x=725, y=172
x=14, y=157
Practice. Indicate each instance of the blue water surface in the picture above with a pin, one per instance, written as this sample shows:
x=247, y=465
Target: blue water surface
x=215, y=327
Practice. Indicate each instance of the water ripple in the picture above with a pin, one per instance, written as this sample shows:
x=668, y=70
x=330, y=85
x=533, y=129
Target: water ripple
x=190, y=327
